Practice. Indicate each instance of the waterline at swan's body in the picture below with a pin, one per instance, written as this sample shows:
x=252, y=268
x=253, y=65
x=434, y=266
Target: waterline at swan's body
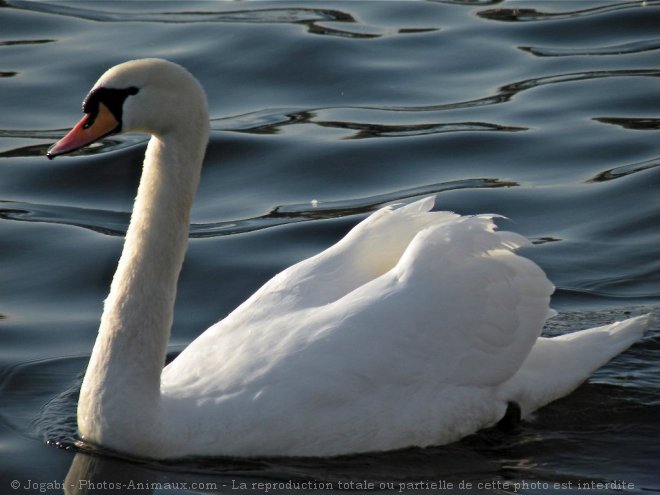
x=417, y=328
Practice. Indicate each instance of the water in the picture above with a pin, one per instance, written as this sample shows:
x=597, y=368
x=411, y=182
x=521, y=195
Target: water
x=545, y=112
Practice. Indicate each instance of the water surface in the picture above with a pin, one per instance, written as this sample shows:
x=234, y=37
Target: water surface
x=546, y=112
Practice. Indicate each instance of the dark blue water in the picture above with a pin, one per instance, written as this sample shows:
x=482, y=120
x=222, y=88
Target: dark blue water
x=546, y=112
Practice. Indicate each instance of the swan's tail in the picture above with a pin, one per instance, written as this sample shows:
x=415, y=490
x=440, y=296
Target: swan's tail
x=557, y=366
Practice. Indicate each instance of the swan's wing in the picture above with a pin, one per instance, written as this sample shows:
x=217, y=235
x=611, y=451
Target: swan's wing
x=458, y=307
x=370, y=249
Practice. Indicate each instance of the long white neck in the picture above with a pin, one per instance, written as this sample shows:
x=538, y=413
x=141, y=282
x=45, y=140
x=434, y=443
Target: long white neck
x=121, y=389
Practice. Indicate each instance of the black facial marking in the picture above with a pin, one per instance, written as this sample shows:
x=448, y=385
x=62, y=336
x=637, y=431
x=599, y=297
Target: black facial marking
x=111, y=98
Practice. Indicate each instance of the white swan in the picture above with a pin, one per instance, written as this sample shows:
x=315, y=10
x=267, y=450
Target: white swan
x=416, y=329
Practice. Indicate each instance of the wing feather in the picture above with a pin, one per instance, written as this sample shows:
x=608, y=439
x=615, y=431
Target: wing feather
x=450, y=299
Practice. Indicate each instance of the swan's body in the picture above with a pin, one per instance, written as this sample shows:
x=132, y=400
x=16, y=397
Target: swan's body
x=417, y=328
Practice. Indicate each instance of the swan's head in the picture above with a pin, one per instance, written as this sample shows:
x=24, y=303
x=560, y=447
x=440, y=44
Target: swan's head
x=149, y=95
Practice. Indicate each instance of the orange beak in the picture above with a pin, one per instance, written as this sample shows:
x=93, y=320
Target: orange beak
x=85, y=132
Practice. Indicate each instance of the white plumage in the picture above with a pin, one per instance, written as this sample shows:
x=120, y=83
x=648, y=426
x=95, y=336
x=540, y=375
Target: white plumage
x=415, y=329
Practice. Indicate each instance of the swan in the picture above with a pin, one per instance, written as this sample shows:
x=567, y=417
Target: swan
x=418, y=328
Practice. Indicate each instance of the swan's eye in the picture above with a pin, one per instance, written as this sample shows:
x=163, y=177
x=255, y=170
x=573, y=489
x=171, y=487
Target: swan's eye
x=91, y=117
x=112, y=98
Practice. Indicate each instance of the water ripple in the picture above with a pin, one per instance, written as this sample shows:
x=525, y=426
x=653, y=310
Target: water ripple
x=264, y=121
x=365, y=130
x=517, y=87
x=508, y=91
x=25, y=42
x=269, y=121
x=315, y=19
x=469, y=2
x=103, y=221
x=622, y=49
x=636, y=124
x=625, y=170
x=526, y=15
x=115, y=223
x=40, y=414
